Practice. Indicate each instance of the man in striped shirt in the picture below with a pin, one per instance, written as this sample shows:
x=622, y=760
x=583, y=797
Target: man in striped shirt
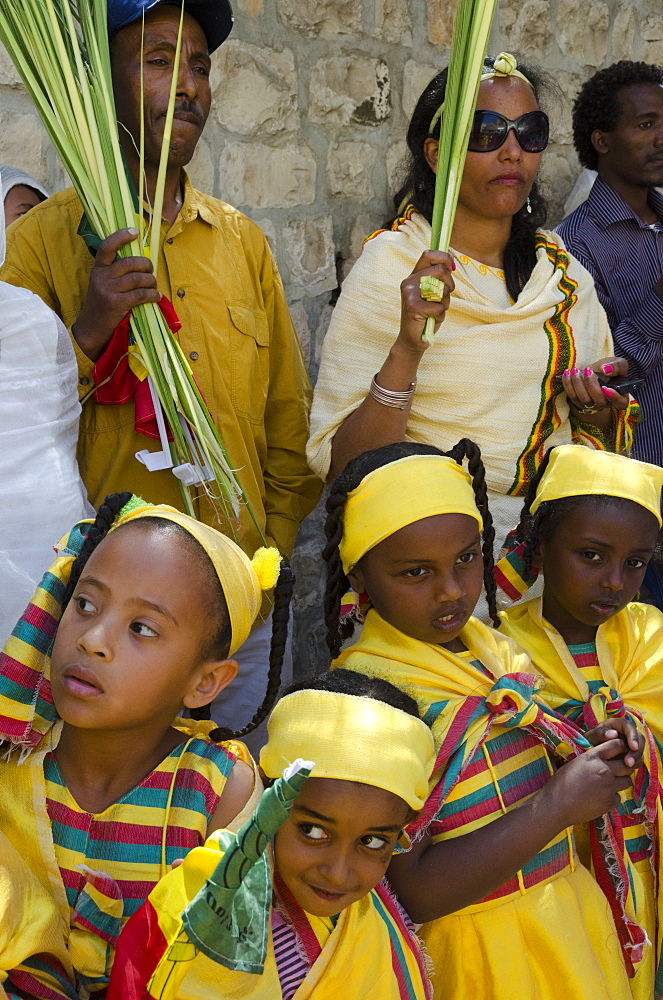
x=617, y=233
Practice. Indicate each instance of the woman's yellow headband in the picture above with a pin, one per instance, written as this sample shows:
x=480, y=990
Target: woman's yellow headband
x=398, y=494
x=351, y=738
x=243, y=580
x=505, y=65
x=575, y=471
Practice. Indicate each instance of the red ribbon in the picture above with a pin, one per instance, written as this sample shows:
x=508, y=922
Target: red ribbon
x=116, y=382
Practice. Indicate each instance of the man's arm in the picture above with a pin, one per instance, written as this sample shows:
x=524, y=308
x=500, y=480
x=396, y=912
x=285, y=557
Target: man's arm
x=639, y=337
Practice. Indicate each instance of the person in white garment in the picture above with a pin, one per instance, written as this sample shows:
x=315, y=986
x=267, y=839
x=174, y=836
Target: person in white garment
x=41, y=493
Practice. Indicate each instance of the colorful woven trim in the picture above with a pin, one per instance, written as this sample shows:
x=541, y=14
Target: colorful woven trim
x=26, y=704
x=509, y=571
x=354, y=607
x=510, y=704
x=408, y=212
x=619, y=438
x=561, y=355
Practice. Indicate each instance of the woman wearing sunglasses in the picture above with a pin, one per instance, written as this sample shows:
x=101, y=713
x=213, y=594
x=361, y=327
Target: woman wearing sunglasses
x=517, y=313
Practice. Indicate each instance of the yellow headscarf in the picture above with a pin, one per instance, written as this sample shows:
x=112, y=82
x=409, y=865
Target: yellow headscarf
x=400, y=493
x=352, y=738
x=575, y=471
x=242, y=579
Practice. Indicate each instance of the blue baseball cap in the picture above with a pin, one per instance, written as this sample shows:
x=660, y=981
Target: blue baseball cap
x=215, y=17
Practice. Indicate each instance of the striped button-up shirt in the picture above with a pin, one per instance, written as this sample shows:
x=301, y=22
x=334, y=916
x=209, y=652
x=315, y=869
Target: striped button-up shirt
x=625, y=258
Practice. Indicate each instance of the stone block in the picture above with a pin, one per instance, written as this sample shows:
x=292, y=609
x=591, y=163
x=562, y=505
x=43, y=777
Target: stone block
x=252, y=8
x=349, y=169
x=416, y=77
x=532, y=30
x=300, y=322
x=201, y=168
x=350, y=89
x=623, y=34
x=558, y=173
x=8, y=75
x=321, y=18
x=393, y=21
x=363, y=226
x=440, y=21
x=255, y=89
x=582, y=31
x=311, y=256
x=262, y=176
x=652, y=41
x=23, y=143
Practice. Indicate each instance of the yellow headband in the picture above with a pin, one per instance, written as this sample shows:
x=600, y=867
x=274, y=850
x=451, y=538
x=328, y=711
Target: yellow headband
x=575, y=471
x=351, y=738
x=398, y=494
x=505, y=65
x=242, y=579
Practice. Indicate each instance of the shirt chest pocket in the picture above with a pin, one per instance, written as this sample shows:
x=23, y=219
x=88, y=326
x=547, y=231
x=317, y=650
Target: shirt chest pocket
x=249, y=361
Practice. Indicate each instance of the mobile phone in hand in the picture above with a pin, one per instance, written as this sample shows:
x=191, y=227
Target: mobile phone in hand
x=621, y=384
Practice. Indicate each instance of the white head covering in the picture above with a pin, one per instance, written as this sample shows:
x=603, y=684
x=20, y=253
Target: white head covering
x=41, y=493
x=13, y=176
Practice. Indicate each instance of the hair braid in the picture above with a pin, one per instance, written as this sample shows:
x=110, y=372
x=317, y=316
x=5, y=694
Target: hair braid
x=337, y=581
x=527, y=529
x=471, y=451
x=280, y=615
x=103, y=522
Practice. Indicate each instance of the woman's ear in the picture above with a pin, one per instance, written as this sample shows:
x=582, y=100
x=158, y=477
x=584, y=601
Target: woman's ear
x=208, y=682
x=430, y=152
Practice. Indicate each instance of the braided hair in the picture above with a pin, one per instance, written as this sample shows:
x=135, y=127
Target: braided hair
x=361, y=686
x=419, y=185
x=103, y=522
x=219, y=642
x=280, y=616
x=535, y=528
x=350, y=478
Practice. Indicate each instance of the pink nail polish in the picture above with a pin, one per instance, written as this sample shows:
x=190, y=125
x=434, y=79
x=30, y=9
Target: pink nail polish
x=574, y=371
x=453, y=268
x=567, y=374
x=587, y=372
x=608, y=369
x=607, y=392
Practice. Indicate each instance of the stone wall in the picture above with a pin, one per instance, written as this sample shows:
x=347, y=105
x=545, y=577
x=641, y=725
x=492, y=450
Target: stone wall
x=306, y=134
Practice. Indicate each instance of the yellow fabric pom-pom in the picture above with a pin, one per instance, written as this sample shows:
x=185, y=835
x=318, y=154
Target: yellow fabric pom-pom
x=505, y=64
x=267, y=565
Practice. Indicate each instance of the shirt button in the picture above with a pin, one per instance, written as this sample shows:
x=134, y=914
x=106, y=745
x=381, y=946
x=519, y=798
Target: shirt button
x=85, y=380
x=170, y=240
x=194, y=355
x=181, y=293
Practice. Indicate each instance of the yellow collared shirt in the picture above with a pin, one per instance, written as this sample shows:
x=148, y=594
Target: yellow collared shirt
x=217, y=269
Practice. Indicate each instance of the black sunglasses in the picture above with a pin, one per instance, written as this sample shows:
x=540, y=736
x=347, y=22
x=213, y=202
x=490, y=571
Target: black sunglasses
x=489, y=131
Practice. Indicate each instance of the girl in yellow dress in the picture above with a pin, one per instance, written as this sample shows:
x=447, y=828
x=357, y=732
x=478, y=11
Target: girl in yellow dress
x=591, y=521
x=105, y=786
x=508, y=910
x=308, y=918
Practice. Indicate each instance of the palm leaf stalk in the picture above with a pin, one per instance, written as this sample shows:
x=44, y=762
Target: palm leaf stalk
x=469, y=43
x=60, y=49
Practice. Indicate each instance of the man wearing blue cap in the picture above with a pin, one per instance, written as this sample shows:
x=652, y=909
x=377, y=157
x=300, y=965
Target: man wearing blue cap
x=216, y=267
